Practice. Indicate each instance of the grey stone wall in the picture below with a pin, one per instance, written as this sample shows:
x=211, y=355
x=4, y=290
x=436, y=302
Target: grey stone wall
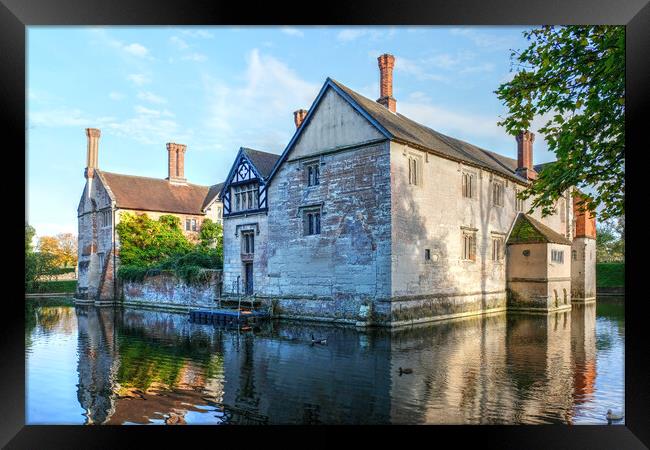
x=583, y=269
x=349, y=261
x=167, y=291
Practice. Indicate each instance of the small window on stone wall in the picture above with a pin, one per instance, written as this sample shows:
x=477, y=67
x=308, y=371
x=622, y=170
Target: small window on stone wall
x=311, y=222
x=497, y=193
x=497, y=249
x=101, y=261
x=557, y=256
x=469, y=246
x=414, y=175
x=519, y=202
x=469, y=185
x=574, y=255
x=313, y=174
x=427, y=254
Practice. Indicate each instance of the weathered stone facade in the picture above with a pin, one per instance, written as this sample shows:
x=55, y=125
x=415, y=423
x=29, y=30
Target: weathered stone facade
x=107, y=196
x=169, y=292
x=392, y=219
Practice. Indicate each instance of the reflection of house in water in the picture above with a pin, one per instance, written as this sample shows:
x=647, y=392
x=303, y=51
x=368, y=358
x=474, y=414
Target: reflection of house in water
x=282, y=378
x=98, y=362
x=137, y=366
x=498, y=369
x=538, y=351
x=583, y=346
x=456, y=369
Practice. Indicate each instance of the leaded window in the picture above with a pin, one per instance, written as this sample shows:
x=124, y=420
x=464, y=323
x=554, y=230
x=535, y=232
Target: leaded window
x=245, y=196
x=469, y=184
x=469, y=246
x=313, y=174
x=311, y=222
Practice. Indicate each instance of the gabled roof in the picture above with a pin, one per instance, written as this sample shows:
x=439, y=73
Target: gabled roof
x=527, y=230
x=156, y=194
x=213, y=192
x=400, y=128
x=263, y=161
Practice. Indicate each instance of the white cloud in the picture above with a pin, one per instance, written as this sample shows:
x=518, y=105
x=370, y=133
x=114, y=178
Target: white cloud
x=270, y=89
x=151, y=97
x=116, y=95
x=178, y=43
x=197, y=57
x=484, y=39
x=352, y=34
x=203, y=34
x=487, y=67
x=136, y=49
x=416, y=69
x=292, y=31
x=139, y=79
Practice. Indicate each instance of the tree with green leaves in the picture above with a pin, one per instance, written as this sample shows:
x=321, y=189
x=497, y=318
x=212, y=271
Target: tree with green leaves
x=211, y=234
x=576, y=76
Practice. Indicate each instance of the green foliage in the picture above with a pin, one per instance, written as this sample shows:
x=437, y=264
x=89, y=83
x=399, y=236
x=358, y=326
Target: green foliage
x=42, y=287
x=39, y=269
x=610, y=241
x=144, y=241
x=149, y=247
x=575, y=75
x=610, y=274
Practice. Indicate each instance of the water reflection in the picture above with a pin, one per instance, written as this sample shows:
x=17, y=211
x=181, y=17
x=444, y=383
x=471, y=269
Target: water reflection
x=137, y=367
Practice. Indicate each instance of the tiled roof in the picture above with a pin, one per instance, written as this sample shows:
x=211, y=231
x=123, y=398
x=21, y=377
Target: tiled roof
x=409, y=131
x=530, y=231
x=212, y=193
x=263, y=161
x=156, y=194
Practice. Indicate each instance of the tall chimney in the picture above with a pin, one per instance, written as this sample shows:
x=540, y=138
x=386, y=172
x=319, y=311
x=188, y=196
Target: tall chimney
x=176, y=162
x=299, y=116
x=386, y=64
x=525, y=155
x=91, y=154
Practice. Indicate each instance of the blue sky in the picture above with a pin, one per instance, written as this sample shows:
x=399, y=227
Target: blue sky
x=216, y=89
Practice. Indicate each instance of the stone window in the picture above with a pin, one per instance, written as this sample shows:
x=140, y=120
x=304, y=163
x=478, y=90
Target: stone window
x=469, y=246
x=427, y=254
x=219, y=213
x=469, y=185
x=247, y=242
x=313, y=174
x=557, y=256
x=497, y=193
x=497, y=248
x=101, y=261
x=519, y=202
x=105, y=218
x=245, y=196
x=311, y=221
x=414, y=175
x=574, y=254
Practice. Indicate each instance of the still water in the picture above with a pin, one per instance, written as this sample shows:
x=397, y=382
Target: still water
x=125, y=366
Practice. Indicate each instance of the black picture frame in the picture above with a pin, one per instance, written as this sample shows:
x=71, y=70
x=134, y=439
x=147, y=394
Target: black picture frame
x=16, y=15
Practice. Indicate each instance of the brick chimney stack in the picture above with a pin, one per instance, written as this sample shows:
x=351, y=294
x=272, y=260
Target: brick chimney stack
x=299, y=116
x=525, y=155
x=91, y=154
x=584, y=220
x=176, y=162
x=386, y=64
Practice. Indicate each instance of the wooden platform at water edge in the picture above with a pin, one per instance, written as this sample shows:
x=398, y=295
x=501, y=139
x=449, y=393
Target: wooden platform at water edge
x=221, y=316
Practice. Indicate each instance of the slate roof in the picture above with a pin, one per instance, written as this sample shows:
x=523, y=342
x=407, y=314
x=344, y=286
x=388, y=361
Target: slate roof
x=404, y=129
x=527, y=230
x=157, y=194
x=263, y=161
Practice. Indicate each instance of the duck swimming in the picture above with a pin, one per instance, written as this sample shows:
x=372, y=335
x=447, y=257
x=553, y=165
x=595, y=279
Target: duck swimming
x=318, y=341
x=405, y=371
x=611, y=417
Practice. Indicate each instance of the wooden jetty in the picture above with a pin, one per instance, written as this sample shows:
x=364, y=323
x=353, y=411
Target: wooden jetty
x=222, y=316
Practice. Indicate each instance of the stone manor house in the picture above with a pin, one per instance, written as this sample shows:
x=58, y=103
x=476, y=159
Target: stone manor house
x=370, y=218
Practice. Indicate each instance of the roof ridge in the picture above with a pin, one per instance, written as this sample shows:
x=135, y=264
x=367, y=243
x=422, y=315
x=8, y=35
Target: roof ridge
x=152, y=178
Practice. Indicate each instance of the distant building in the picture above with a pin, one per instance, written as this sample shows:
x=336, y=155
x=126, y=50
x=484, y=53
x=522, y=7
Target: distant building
x=107, y=195
x=369, y=217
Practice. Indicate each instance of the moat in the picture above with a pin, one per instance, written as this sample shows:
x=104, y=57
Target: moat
x=87, y=365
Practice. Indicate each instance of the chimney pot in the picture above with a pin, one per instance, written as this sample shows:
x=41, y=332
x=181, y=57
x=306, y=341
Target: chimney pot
x=176, y=162
x=386, y=63
x=525, y=166
x=299, y=117
x=93, y=135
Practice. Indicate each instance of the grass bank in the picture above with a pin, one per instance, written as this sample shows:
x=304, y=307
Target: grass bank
x=610, y=274
x=43, y=287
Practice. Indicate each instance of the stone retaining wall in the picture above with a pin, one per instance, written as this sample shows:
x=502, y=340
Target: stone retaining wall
x=169, y=292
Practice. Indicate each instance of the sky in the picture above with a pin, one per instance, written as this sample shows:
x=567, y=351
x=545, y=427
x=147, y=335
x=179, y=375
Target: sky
x=217, y=89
